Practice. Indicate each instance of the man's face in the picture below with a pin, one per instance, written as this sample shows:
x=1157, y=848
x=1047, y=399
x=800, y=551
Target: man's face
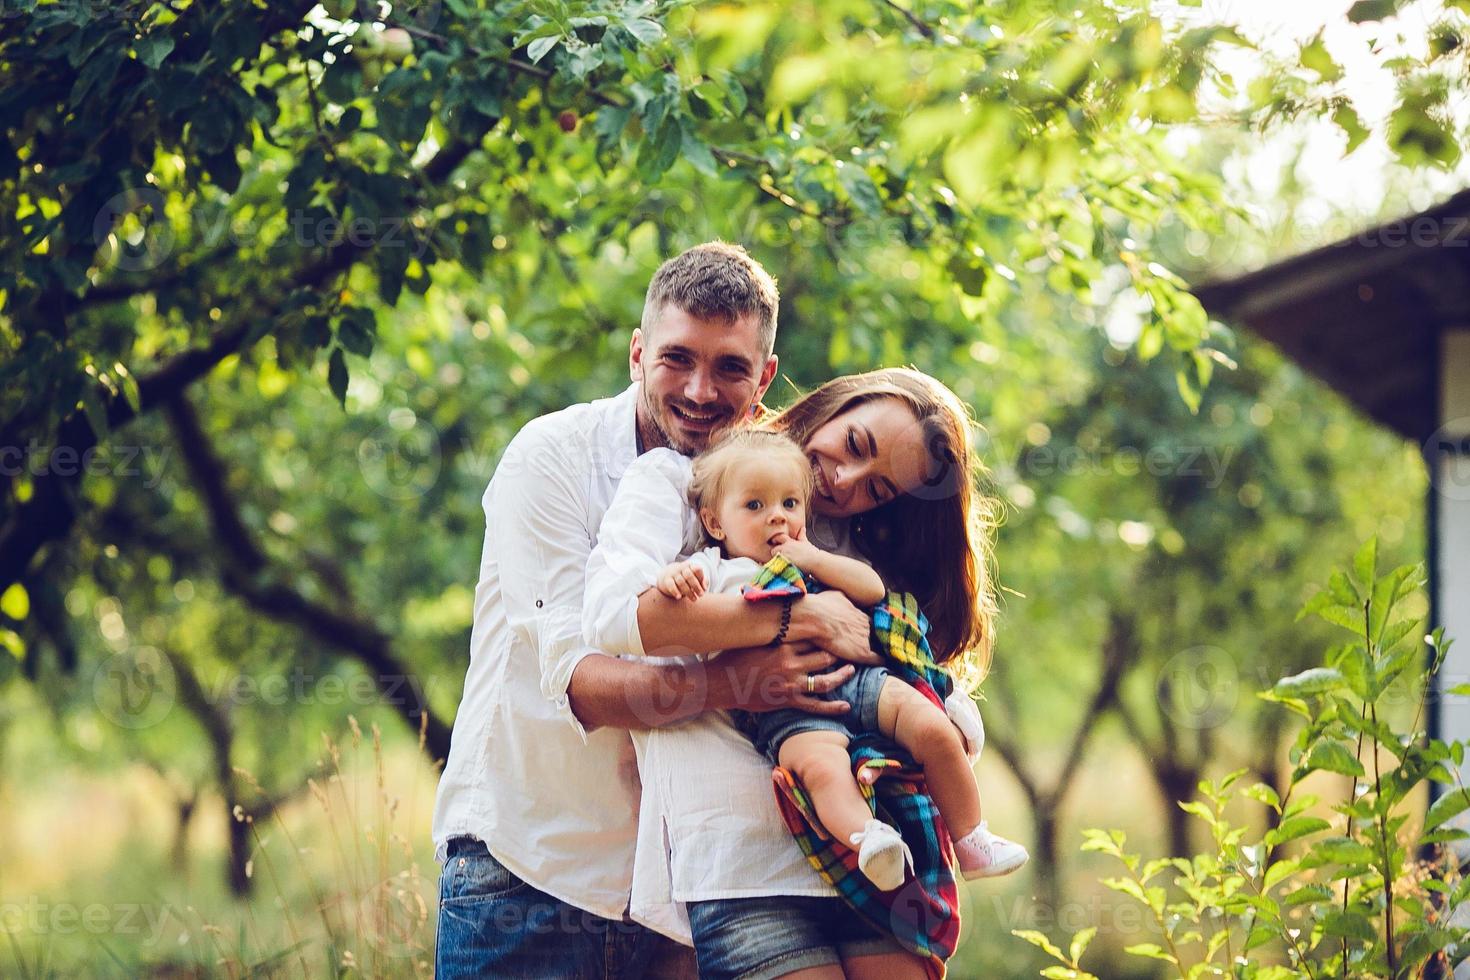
x=698, y=378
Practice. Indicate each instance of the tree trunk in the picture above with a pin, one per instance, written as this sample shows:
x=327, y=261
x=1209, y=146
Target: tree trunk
x=179, y=853
x=239, y=853
x=1177, y=783
x=1046, y=857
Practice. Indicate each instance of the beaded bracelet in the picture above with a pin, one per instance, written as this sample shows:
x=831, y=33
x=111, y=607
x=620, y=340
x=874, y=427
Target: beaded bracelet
x=785, y=621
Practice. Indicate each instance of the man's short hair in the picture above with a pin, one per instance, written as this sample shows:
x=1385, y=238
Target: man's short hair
x=715, y=281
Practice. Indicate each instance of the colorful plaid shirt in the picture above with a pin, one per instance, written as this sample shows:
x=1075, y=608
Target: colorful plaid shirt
x=923, y=914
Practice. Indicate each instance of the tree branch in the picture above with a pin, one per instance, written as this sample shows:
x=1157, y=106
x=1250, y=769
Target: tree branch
x=51, y=510
x=1011, y=753
x=247, y=571
x=116, y=292
x=209, y=478
x=913, y=20
x=1117, y=653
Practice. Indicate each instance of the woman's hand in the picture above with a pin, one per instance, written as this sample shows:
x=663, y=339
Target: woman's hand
x=770, y=677
x=683, y=580
x=833, y=624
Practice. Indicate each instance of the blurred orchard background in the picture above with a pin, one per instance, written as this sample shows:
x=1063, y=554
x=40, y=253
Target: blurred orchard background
x=278, y=281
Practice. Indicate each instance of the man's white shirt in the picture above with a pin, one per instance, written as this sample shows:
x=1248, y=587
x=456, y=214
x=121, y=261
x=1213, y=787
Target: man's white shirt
x=555, y=804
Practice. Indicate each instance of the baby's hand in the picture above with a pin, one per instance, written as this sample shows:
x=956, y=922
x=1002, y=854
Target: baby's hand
x=799, y=551
x=683, y=580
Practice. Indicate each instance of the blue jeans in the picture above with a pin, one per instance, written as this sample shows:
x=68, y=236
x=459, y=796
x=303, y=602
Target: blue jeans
x=493, y=924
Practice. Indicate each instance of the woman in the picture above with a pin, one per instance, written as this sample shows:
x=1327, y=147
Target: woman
x=894, y=485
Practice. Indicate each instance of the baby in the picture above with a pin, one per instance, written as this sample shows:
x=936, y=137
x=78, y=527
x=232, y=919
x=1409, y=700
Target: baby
x=751, y=491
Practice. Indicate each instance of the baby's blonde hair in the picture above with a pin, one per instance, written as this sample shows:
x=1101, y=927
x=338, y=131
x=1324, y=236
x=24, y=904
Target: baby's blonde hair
x=712, y=468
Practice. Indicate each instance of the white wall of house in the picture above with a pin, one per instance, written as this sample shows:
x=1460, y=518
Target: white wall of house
x=1449, y=452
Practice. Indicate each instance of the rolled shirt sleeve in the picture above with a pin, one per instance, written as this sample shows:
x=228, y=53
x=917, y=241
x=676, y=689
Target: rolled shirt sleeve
x=649, y=524
x=965, y=715
x=536, y=520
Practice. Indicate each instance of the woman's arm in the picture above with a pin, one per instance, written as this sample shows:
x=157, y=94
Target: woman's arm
x=853, y=578
x=828, y=620
x=643, y=530
x=610, y=691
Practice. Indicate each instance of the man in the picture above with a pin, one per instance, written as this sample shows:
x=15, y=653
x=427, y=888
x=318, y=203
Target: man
x=536, y=815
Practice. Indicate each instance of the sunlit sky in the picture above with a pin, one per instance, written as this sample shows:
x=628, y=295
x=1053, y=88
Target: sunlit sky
x=1355, y=184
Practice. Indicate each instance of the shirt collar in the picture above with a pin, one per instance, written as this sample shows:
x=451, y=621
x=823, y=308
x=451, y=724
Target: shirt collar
x=622, y=432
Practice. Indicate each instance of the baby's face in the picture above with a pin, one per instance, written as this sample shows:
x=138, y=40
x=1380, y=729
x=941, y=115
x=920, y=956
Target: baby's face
x=764, y=505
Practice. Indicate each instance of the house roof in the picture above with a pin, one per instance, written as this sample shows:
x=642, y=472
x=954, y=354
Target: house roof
x=1365, y=314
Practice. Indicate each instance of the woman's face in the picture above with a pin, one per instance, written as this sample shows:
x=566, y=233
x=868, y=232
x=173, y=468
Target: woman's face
x=866, y=456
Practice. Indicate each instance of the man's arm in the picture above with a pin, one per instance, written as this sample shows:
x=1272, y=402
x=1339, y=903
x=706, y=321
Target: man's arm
x=535, y=511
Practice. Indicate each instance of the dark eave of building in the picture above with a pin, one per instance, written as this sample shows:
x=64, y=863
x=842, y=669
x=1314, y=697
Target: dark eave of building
x=1365, y=314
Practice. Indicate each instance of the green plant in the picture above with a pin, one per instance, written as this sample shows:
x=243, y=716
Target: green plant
x=1345, y=888
x=372, y=918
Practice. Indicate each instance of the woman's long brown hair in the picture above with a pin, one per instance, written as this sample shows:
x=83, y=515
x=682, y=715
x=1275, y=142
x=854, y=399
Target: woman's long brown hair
x=935, y=541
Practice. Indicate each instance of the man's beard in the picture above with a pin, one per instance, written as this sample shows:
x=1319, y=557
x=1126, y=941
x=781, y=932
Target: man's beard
x=662, y=428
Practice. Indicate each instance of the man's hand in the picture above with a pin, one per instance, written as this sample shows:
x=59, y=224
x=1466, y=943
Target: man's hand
x=832, y=623
x=683, y=580
x=785, y=676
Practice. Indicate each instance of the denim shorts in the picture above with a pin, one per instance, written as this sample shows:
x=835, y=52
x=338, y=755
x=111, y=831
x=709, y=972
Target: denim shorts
x=763, y=938
x=768, y=729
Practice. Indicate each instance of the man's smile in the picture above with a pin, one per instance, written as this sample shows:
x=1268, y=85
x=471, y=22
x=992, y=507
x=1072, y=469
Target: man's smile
x=696, y=419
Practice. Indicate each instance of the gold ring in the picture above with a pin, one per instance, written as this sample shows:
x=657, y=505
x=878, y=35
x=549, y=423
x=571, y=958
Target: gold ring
x=811, y=684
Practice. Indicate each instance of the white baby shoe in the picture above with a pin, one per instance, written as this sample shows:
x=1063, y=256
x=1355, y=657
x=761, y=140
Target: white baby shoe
x=982, y=854
x=882, y=854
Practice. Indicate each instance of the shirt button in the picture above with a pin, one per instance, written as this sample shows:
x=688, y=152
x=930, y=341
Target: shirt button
x=461, y=862
x=538, y=603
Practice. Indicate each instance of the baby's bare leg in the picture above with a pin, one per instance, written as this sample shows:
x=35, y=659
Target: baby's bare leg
x=820, y=760
x=921, y=727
